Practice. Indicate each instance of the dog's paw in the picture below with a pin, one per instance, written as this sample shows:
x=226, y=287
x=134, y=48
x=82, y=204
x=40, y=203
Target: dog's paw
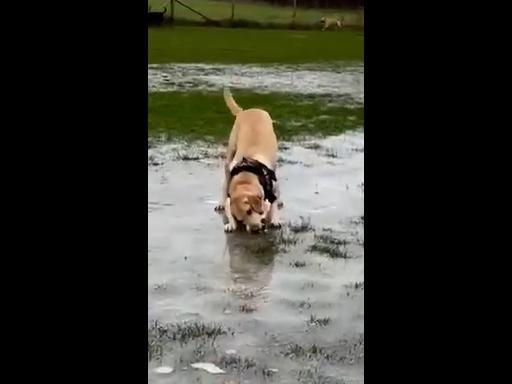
x=219, y=208
x=229, y=227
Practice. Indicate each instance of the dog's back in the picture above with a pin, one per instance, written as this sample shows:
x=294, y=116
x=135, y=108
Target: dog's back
x=256, y=138
x=253, y=133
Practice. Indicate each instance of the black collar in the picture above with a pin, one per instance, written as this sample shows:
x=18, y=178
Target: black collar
x=266, y=176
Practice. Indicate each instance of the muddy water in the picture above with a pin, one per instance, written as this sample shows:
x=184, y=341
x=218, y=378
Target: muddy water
x=289, y=303
x=342, y=79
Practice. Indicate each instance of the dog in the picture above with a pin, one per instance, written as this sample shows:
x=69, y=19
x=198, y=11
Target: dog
x=250, y=193
x=156, y=18
x=330, y=21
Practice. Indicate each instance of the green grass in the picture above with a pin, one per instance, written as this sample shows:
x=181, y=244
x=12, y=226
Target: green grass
x=234, y=45
x=202, y=115
x=199, y=115
x=253, y=10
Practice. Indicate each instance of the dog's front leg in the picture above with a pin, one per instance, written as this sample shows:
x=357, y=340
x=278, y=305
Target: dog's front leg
x=277, y=193
x=224, y=193
x=274, y=215
x=231, y=225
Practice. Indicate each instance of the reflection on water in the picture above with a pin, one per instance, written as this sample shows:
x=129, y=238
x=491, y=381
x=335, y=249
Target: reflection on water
x=251, y=262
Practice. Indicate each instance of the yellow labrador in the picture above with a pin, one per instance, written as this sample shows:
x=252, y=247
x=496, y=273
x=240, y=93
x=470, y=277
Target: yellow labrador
x=331, y=21
x=250, y=192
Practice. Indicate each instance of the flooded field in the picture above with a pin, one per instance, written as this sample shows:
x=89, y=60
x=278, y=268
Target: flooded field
x=286, y=306
x=344, y=80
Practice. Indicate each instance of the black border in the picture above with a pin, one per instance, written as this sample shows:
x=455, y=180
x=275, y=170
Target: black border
x=421, y=234
x=79, y=130
x=75, y=98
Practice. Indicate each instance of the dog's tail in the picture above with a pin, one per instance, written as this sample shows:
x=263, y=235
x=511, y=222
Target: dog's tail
x=231, y=103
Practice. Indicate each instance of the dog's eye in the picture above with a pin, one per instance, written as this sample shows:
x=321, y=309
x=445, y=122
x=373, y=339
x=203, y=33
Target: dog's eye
x=249, y=212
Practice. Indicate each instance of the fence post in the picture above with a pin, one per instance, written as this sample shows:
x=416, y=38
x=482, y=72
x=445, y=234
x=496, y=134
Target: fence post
x=232, y=10
x=172, y=10
x=294, y=11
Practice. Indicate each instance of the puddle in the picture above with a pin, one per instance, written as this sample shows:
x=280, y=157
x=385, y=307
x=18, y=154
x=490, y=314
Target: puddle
x=341, y=80
x=282, y=307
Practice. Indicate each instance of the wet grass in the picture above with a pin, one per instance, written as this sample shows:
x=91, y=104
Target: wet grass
x=331, y=153
x=314, y=375
x=160, y=334
x=302, y=226
x=282, y=161
x=332, y=251
x=246, y=308
x=298, y=264
x=330, y=245
x=285, y=239
x=237, y=363
x=235, y=45
x=358, y=220
x=160, y=287
x=319, y=321
x=330, y=239
x=201, y=115
x=188, y=157
x=359, y=285
x=312, y=145
x=263, y=249
x=304, y=304
x=344, y=351
x=297, y=351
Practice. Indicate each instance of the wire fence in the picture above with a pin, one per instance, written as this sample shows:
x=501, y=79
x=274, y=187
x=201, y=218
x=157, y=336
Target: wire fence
x=296, y=14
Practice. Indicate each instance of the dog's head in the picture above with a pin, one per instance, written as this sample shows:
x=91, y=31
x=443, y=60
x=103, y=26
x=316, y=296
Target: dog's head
x=322, y=20
x=249, y=207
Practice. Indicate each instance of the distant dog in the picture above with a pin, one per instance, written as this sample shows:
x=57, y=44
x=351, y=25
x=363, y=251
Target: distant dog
x=331, y=21
x=156, y=18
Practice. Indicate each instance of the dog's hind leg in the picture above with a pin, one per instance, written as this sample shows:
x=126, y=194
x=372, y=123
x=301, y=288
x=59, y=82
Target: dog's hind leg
x=275, y=206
